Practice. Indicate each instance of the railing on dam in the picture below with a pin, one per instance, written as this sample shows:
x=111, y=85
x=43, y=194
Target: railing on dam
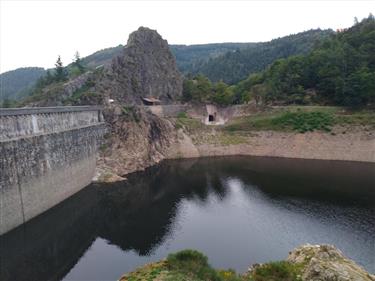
x=22, y=122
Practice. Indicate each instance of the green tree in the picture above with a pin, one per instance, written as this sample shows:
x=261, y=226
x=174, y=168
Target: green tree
x=77, y=63
x=258, y=92
x=6, y=103
x=187, y=90
x=48, y=77
x=60, y=73
x=222, y=94
x=360, y=87
x=204, y=89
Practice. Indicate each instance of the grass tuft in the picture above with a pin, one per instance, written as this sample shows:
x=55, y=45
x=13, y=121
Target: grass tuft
x=277, y=271
x=191, y=265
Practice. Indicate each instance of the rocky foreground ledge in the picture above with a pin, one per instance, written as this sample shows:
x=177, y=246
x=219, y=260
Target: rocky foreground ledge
x=325, y=262
x=305, y=263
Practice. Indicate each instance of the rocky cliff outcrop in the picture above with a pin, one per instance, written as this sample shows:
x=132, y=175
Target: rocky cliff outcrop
x=136, y=140
x=146, y=68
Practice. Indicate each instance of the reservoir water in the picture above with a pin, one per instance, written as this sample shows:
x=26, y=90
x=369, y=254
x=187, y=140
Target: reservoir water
x=236, y=210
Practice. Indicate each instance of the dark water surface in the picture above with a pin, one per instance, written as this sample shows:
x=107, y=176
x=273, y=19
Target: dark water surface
x=236, y=210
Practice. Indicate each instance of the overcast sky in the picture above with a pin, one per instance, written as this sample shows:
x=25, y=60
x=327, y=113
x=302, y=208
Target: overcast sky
x=34, y=33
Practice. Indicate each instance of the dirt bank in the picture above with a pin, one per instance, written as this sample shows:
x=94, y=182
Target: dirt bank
x=351, y=146
x=139, y=139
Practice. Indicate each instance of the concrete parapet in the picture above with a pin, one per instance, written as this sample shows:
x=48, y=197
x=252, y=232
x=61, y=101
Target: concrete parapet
x=21, y=122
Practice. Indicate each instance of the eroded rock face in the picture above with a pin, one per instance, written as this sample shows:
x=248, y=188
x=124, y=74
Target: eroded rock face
x=137, y=140
x=326, y=263
x=146, y=68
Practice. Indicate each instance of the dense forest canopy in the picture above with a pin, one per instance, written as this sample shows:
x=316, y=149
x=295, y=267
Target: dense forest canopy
x=339, y=70
x=190, y=58
x=234, y=66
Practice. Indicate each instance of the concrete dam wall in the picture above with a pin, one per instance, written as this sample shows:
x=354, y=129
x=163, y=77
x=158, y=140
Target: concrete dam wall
x=47, y=155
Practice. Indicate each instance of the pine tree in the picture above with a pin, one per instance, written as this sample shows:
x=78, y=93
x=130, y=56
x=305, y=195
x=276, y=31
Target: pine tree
x=78, y=62
x=60, y=73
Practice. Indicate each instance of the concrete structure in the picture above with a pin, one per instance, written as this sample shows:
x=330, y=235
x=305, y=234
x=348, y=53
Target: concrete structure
x=208, y=114
x=214, y=116
x=47, y=155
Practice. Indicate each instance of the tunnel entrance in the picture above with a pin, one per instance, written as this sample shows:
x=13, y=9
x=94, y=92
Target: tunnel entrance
x=211, y=118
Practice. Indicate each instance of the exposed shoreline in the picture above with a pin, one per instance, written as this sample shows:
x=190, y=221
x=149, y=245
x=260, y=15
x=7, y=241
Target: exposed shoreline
x=353, y=145
x=356, y=146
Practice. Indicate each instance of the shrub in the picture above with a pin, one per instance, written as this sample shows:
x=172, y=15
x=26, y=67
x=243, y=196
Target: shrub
x=305, y=121
x=131, y=113
x=192, y=262
x=187, y=257
x=182, y=115
x=277, y=271
x=230, y=275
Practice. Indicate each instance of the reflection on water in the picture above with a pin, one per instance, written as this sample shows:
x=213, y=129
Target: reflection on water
x=237, y=210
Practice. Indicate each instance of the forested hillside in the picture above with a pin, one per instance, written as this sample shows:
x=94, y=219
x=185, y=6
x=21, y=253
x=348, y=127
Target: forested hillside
x=339, y=70
x=192, y=57
x=187, y=58
x=101, y=57
x=234, y=66
x=17, y=83
x=230, y=62
x=316, y=67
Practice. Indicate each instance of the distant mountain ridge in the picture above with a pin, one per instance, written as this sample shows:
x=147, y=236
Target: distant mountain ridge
x=230, y=62
x=16, y=84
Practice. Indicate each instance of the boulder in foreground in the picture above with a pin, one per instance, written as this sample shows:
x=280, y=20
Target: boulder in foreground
x=325, y=262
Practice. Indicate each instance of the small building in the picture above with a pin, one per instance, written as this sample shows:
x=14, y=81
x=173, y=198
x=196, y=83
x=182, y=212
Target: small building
x=150, y=101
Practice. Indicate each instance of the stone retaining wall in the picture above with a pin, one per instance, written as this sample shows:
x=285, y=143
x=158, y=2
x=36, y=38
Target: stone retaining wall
x=202, y=112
